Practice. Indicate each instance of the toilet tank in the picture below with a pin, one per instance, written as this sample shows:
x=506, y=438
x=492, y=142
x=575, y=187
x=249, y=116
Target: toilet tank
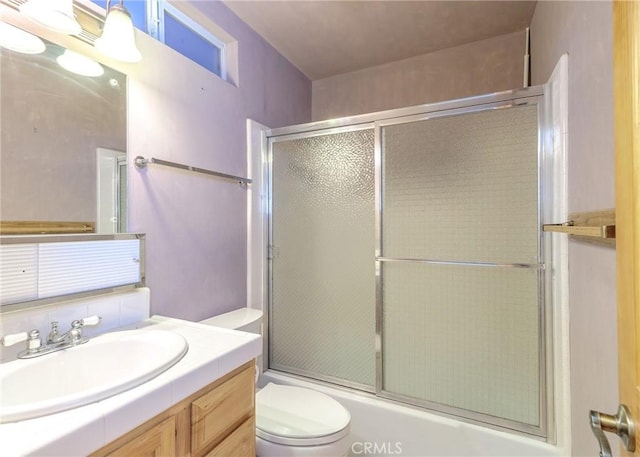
x=244, y=319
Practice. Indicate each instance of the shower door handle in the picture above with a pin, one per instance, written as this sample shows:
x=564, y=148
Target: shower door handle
x=621, y=424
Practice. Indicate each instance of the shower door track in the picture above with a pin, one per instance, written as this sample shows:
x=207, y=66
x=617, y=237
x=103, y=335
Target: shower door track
x=519, y=96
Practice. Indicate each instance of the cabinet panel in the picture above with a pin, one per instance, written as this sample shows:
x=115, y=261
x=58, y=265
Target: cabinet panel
x=158, y=441
x=217, y=412
x=205, y=421
x=241, y=443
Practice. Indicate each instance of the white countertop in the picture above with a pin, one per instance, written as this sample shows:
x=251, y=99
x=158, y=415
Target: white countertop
x=213, y=352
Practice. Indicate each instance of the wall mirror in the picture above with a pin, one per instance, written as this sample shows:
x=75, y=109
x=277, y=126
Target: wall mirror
x=63, y=166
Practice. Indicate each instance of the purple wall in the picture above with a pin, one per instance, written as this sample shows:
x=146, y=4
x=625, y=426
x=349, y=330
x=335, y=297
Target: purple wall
x=196, y=225
x=584, y=30
x=477, y=68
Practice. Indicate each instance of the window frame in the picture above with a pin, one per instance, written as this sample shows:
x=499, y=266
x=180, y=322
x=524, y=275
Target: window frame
x=156, y=28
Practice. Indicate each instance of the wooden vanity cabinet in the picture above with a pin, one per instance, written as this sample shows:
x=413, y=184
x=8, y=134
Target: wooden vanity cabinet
x=159, y=440
x=218, y=420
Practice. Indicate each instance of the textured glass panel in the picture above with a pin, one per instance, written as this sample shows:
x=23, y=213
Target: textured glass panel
x=323, y=309
x=463, y=336
x=463, y=187
x=79, y=266
x=18, y=273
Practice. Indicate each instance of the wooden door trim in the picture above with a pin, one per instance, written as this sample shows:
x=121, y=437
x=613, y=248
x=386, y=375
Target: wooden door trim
x=626, y=77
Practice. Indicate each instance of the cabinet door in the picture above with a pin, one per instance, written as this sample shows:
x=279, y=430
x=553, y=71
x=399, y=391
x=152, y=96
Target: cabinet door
x=241, y=443
x=158, y=441
x=215, y=414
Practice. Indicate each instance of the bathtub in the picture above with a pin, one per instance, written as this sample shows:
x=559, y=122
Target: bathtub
x=384, y=428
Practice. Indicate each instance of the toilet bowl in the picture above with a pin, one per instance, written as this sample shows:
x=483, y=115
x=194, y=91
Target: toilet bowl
x=291, y=421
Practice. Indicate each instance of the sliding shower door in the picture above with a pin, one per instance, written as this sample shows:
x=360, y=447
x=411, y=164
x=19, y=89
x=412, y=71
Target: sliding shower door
x=460, y=264
x=406, y=259
x=322, y=323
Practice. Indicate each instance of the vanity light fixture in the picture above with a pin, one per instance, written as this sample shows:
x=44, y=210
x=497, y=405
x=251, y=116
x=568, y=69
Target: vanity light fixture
x=54, y=14
x=118, y=38
x=79, y=64
x=20, y=41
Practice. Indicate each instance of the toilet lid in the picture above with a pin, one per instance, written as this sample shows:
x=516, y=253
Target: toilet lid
x=294, y=413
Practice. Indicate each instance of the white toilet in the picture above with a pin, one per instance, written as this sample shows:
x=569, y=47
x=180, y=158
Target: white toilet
x=291, y=421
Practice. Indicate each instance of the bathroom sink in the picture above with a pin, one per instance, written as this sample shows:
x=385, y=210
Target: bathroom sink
x=102, y=367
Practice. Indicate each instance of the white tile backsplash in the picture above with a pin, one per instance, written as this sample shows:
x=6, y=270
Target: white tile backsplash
x=109, y=313
x=116, y=309
x=135, y=308
x=65, y=313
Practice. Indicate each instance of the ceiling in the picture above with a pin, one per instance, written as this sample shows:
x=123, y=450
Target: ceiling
x=330, y=37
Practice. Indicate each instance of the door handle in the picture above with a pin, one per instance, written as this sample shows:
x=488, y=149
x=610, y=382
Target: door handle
x=621, y=424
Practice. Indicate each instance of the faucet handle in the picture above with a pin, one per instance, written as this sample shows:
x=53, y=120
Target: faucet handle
x=10, y=340
x=91, y=320
x=34, y=342
x=32, y=338
x=75, y=334
x=87, y=321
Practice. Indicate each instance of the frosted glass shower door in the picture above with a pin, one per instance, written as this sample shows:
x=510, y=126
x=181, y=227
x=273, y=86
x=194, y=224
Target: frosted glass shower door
x=460, y=277
x=322, y=269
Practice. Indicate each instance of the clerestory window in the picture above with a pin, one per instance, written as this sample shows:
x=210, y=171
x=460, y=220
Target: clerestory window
x=166, y=23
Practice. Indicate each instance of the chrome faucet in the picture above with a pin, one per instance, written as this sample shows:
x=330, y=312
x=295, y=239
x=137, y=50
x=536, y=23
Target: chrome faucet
x=55, y=341
x=74, y=336
x=54, y=336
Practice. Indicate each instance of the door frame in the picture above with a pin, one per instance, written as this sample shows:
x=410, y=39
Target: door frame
x=626, y=79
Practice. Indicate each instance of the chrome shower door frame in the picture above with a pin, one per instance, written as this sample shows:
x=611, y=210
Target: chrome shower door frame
x=545, y=397
x=377, y=121
x=293, y=134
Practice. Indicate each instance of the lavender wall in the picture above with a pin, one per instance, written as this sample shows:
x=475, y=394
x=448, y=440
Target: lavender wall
x=477, y=68
x=584, y=31
x=196, y=225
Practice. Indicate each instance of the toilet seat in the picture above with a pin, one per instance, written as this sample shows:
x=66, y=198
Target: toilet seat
x=318, y=441
x=294, y=416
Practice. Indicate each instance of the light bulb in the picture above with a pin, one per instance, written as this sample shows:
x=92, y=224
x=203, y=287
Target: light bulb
x=54, y=14
x=79, y=64
x=118, y=38
x=20, y=41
